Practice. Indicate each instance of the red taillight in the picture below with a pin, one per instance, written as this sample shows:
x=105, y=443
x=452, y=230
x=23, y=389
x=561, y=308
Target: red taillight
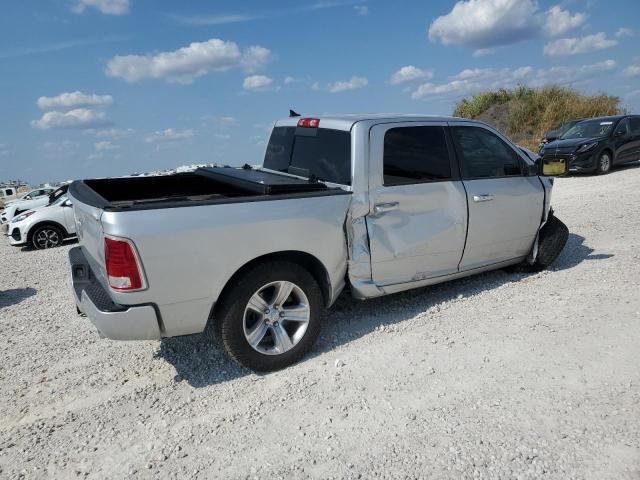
x=121, y=262
x=309, y=122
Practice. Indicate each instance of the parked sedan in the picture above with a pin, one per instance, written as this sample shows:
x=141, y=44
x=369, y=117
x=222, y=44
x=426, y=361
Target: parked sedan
x=33, y=199
x=597, y=144
x=44, y=227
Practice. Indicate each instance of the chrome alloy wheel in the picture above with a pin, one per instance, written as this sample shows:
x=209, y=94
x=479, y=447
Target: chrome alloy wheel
x=276, y=318
x=605, y=162
x=47, y=238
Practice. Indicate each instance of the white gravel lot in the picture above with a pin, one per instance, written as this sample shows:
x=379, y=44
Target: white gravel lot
x=502, y=375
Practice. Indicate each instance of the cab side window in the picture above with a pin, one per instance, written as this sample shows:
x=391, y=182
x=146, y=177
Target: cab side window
x=415, y=155
x=635, y=125
x=485, y=155
x=623, y=127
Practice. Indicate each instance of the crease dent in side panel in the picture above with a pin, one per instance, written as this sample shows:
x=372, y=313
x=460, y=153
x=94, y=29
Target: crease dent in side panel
x=359, y=261
x=358, y=247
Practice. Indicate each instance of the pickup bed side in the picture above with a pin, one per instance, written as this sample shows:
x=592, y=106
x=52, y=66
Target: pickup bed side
x=189, y=254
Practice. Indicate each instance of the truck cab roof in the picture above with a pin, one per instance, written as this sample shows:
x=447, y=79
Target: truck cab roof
x=346, y=121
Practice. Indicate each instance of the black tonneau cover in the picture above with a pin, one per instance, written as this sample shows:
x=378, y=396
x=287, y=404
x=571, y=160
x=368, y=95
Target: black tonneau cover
x=260, y=182
x=204, y=186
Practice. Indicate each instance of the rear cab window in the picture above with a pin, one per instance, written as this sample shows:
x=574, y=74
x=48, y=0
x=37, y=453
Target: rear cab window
x=416, y=155
x=320, y=153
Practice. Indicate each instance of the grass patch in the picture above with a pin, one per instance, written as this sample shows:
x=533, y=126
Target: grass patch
x=525, y=114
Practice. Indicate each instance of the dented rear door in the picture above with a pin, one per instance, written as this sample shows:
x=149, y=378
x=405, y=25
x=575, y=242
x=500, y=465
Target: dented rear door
x=418, y=207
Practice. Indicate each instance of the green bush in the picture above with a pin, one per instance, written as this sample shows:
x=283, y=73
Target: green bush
x=529, y=112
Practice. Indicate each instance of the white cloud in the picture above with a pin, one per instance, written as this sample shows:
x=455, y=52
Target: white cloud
x=228, y=121
x=625, y=32
x=361, y=9
x=559, y=21
x=483, y=52
x=200, y=20
x=255, y=57
x=289, y=80
x=409, y=74
x=109, y=132
x=106, y=145
x=575, y=46
x=71, y=100
x=78, y=118
x=186, y=64
x=54, y=47
x=4, y=149
x=352, y=84
x=256, y=82
x=222, y=136
x=108, y=7
x=481, y=24
x=633, y=70
x=169, y=136
x=475, y=80
x=228, y=18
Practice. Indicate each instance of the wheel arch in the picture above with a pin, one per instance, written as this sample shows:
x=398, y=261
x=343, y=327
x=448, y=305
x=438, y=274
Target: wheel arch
x=43, y=223
x=304, y=259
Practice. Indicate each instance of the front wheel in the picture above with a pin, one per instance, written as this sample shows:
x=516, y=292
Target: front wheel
x=552, y=239
x=47, y=236
x=271, y=316
x=604, y=163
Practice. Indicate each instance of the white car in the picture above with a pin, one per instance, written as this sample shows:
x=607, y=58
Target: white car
x=45, y=227
x=33, y=199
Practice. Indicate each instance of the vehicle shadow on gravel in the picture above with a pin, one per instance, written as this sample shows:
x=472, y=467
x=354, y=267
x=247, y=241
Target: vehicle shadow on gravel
x=575, y=252
x=200, y=360
x=15, y=296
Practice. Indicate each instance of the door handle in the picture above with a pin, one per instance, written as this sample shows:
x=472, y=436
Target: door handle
x=385, y=207
x=482, y=198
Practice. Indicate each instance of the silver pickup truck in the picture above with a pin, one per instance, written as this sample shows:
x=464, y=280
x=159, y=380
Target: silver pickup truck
x=383, y=203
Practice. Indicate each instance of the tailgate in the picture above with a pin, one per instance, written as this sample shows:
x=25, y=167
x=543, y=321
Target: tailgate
x=90, y=235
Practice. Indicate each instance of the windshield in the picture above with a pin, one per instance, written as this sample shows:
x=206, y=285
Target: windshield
x=321, y=153
x=589, y=129
x=57, y=194
x=59, y=201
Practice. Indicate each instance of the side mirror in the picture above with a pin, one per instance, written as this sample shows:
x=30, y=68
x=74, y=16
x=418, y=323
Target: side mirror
x=619, y=133
x=553, y=167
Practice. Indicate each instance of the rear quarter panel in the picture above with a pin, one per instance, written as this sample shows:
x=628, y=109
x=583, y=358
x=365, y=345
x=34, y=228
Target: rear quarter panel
x=189, y=254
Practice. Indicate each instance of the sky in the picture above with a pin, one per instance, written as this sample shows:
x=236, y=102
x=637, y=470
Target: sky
x=93, y=88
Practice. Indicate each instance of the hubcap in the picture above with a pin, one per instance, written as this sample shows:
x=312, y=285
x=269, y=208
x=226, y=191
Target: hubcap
x=276, y=318
x=605, y=162
x=47, y=238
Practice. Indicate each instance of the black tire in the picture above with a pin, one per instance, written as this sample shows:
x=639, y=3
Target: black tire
x=53, y=234
x=553, y=237
x=605, y=160
x=230, y=317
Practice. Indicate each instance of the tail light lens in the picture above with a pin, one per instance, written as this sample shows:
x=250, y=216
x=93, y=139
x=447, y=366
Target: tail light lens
x=124, y=272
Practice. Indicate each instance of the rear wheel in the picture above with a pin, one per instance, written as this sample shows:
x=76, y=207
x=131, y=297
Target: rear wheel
x=604, y=163
x=271, y=316
x=47, y=236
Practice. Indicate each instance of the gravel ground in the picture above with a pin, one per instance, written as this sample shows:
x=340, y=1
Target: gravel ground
x=502, y=375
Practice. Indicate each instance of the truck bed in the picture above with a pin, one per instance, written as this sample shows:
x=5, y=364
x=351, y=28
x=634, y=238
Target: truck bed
x=203, y=186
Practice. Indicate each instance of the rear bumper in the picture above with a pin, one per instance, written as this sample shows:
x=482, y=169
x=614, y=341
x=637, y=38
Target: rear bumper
x=118, y=322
